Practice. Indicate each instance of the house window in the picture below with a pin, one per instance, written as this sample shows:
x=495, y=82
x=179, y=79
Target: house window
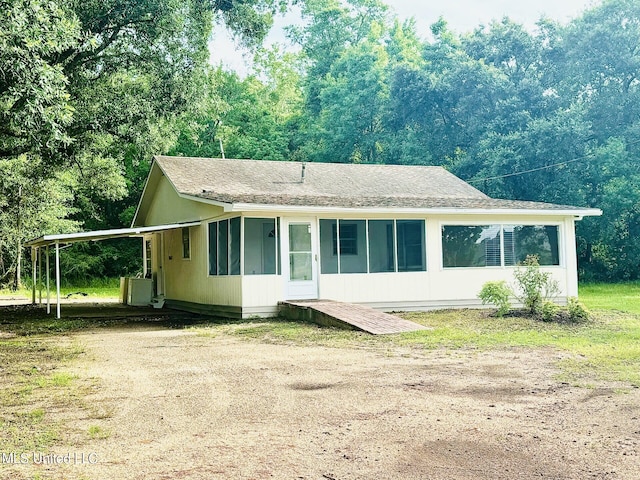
x=348, y=238
x=261, y=237
x=471, y=246
x=410, y=241
x=213, y=248
x=186, y=243
x=353, y=247
x=523, y=240
x=498, y=245
x=328, y=238
x=393, y=246
x=381, y=246
x=224, y=247
x=234, y=245
x=343, y=246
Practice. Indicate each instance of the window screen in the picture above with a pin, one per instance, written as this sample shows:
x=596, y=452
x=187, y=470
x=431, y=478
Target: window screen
x=260, y=246
x=411, y=245
x=381, y=246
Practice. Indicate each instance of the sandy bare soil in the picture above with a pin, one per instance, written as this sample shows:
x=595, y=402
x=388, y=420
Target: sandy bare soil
x=181, y=406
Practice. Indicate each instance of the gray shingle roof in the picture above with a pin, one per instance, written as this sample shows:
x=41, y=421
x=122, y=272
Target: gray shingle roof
x=330, y=185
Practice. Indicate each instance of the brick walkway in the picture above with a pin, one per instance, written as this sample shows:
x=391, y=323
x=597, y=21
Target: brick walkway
x=359, y=316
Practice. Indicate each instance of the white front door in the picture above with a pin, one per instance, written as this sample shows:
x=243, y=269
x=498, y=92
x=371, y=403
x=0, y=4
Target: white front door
x=300, y=259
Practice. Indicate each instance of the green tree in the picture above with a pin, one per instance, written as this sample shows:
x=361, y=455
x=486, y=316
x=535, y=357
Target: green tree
x=35, y=107
x=29, y=205
x=87, y=86
x=246, y=118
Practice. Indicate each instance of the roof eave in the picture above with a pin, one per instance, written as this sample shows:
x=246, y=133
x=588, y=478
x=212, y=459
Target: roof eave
x=250, y=207
x=104, y=234
x=579, y=213
x=228, y=207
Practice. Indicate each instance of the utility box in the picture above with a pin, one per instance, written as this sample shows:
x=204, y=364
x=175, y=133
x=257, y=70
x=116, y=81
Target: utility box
x=140, y=292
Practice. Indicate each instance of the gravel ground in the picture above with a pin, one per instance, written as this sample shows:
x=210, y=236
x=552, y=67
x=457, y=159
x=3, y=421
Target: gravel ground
x=176, y=405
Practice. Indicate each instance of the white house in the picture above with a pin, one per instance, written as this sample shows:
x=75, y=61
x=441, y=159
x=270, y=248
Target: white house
x=391, y=237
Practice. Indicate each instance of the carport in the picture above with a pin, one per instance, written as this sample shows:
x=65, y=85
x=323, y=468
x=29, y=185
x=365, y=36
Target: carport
x=40, y=247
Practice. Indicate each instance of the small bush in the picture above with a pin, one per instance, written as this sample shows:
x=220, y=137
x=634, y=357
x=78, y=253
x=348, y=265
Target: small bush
x=549, y=311
x=577, y=311
x=496, y=293
x=534, y=285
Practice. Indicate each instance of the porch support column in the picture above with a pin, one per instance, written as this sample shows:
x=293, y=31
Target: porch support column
x=34, y=273
x=39, y=276
x=48, y=288
x=57, y=279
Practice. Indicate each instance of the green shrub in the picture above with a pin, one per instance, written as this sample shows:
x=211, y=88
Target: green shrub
x=534, y=286
x=496, y=293
x=577, y=311
x=549, y=311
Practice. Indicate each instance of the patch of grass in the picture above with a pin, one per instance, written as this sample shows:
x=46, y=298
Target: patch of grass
x=31, y=386
x=284, y=331
x=60, y=379
x=90, y=292
x=606, y=348
x=623, y=297
x=97, y=432
x=96, y=288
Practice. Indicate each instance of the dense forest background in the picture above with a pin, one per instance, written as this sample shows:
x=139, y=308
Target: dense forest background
x=91, y=89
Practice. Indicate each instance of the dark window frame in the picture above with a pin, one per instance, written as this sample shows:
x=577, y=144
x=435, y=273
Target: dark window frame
x=276, y=235
x=337, y=227
x=222, y=261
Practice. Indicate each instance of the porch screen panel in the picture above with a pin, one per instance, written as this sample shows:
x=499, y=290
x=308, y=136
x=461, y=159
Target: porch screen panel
x=213, y=248
x=411, y=245
x=223, y=247
x=353, y=246
x=260, y=246
x=539, y=240
x=328, y=238
x=278, y=256
x=234, y=246
x=471, y=246
x=381, y=246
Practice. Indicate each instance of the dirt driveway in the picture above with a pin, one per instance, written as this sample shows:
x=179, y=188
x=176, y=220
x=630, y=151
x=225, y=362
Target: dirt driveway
x=181, y=406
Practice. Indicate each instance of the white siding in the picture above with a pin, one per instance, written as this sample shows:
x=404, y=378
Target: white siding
x=376, y=287
x=262, y=290
x=188, y=280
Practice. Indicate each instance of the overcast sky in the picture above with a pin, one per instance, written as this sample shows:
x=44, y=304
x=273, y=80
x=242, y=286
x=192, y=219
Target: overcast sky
x=461, y=15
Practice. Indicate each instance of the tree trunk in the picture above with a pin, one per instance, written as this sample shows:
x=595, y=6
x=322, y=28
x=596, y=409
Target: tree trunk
x=16, y=281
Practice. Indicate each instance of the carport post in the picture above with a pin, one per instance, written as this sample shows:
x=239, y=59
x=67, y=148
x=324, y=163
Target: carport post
x=48, y=289
x=57, y=279
x=34, y=273
x=40, y=276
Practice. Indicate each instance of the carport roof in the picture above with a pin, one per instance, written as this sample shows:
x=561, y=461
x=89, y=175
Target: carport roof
x=97, y=235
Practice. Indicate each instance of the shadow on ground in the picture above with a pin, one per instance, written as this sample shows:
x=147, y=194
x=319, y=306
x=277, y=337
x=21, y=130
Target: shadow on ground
x=33, y=319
